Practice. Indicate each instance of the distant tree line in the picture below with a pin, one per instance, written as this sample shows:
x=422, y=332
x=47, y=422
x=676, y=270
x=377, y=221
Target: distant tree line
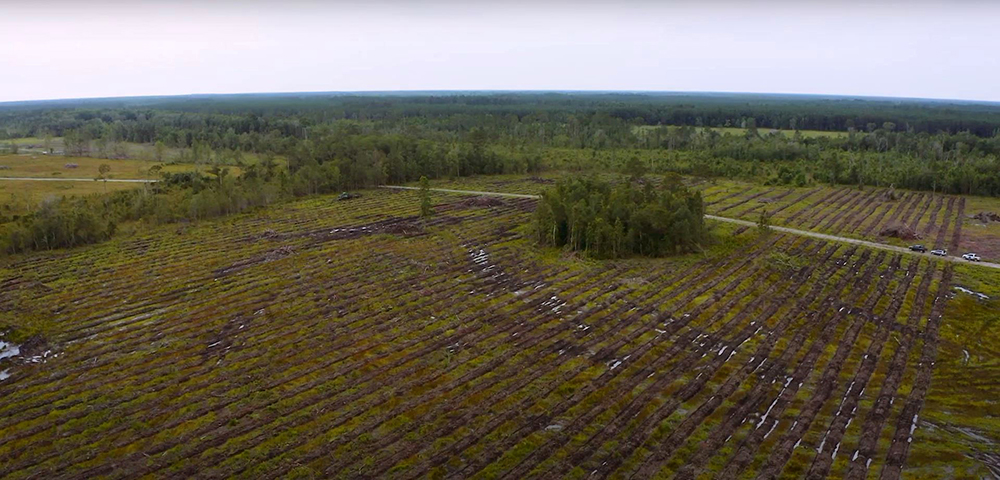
x=611, y=220
x=959, y=163
x=948, y=147
x=331, y=143
x=342, y=143
x=290, y=114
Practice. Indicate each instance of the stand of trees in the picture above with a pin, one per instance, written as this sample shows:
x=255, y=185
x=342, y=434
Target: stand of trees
x=617, y=220
x=943, y=146
x=227, y=117
x=73, y=221
x=337, y=142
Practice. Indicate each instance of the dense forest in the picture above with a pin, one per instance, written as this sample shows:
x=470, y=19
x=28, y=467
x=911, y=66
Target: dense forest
x=611, y=220
x=314, y=143
x=918, y=144
x=289, y=113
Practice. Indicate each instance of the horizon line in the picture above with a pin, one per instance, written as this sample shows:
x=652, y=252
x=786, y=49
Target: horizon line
x=427, y=92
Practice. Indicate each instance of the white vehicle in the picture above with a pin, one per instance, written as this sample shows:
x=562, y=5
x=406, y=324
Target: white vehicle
x=972, y=257
x=939, y=252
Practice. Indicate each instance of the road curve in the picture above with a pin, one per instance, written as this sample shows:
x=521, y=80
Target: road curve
x=792, y=231
x=43, y=179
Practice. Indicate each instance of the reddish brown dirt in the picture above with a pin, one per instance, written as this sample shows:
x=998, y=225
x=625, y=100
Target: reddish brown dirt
x=898, y=211
x=899, y=231
x=877, y=221
x=879, y=414
x=727, y=197
x=679, y=435
x=446, y=404
x=914, y=403
x=766, y=202
x=386, y=326
x=838, y=207
x=823, y=461
x=584, y=454
x=854, y=221
x=915, y=220
x=752, y=400
x=986, y=246
x=672, y=326
x=578, y=396
x=986, y=217
x=796, y=200
x=906, y=218
x=831, y=197
x=849, y=211
x=269, y=256
x=745, y=200
x=440, y=298
x=932, y=223
x=940, y=241
x=824, y=386
x=956, y=238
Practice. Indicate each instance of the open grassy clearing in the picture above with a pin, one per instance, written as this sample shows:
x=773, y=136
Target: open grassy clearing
x=49, y=166
x=351, y=339
x=26, y=141
x=18, y=197
x=135, y=151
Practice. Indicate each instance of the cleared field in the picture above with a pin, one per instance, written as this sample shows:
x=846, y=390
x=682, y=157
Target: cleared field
x=142, y=152
x=940, y=221
x=354, y=340
x=17, y=197
x=47, y=166
x=54, y=141
x=23, y=196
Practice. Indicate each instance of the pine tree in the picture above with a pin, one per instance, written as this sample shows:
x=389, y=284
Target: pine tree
x=764, y=223
x=425, y=198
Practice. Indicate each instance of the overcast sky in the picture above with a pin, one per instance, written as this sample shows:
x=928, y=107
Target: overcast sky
x=70, y=49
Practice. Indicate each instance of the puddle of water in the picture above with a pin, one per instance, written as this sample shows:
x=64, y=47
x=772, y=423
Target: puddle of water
x=973, y=435
x=768, y=412
x=8, y=350
x=970, y=292
x=913, y=427
x=731, y=353
x=768, y=434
